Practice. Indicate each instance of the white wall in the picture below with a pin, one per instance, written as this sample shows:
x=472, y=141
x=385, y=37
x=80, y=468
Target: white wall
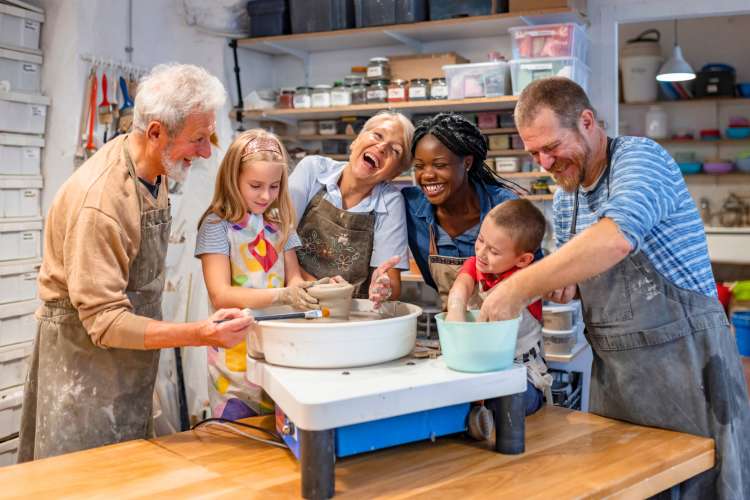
x=98, y=27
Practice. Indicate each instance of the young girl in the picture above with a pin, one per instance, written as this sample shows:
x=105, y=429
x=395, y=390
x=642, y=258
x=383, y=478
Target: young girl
x=246, y=243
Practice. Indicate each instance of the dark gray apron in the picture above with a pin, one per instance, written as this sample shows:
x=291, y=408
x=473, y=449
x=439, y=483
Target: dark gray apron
x=337, y=242
x=78, y=395
x=665, y=357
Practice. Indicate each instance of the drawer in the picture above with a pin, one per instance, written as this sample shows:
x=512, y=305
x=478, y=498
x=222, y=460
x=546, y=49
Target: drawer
x=10, y=410
x=20, y=240
x=20, y=197
x=14, y=364
x=17, y=322
x=18, y=280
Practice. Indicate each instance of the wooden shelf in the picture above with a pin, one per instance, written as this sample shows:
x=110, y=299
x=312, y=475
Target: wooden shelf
x=488, y=131
x=317, y=137
x=706, y=100
x=539, y=197
x=731, y=177
x=413, y=34
x=701, y=142
x=473, y=104
x=507, y=152
x=524, y=175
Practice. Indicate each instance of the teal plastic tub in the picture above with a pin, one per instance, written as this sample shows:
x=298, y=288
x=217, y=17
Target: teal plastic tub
x=477, y=347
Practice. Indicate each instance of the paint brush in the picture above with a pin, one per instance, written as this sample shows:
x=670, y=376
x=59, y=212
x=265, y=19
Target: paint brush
x=312, y=314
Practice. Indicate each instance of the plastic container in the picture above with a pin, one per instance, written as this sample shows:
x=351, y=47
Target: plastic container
x=268, y=17
x=710, y=134
x=20, y=240
x=22, y=113
x=559, y=341
x=20, y=197
x=737, y=132
x=18, y=281
x=559, y=316
x=20, y=155
x=690, y=167
x=14, y=364
x=741, y=322
x=485, y=79
x=22, y=70
x=657, y=123
x=524, y=71
x=549, y=40
x=477, y=347
x=19, y=27
x=17, y=322
x=310, y=16
x=448, y=9
x=10, y=410
x=718, y=167
x=743, y=161
x=382, y=12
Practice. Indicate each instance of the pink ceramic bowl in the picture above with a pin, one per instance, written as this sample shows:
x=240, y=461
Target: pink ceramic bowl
x=718, y=167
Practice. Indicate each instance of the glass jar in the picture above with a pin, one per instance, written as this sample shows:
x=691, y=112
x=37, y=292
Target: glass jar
x=286, y=99
x=359, y=93
x=378, y=91
x=360, y=71
x=438, y=88
x=397, y=91
x=321, y=96
x=419, y=89
x=341, y=95
x=353, y=79
x=379, y=69
x=303, y=97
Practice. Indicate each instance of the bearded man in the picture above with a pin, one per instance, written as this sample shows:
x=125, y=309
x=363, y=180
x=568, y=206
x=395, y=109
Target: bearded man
x=96, y=352
x=631, y=245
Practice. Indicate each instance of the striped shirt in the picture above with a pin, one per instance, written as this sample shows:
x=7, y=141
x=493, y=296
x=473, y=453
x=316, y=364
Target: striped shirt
x=649, y=201
x=213, y=237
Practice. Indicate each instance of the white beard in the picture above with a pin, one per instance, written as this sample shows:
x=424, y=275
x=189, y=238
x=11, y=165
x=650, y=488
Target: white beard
x=176, y=171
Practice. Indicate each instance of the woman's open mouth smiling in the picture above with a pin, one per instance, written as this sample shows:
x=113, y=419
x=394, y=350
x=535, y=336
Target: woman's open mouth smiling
x=433, y=189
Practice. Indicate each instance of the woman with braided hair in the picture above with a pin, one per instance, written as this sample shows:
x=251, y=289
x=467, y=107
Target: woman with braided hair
x=455, y=190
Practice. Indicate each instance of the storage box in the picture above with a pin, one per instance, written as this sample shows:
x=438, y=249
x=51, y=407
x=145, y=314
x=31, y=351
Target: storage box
x=448, y=9
x=14, y=364
x=506, y=120
x=499, y=141
x=507, y=165
x=22, y=70
x=20, y=240
x=307, y=127
x=427, y=66
x=22, y=113
x=10, y=411
x=383, y=12
x=321, y=15
x=531, y=5
x=487, y=79
x=487, y=119
x=549, y=40
x=17, y=322
x=8, y=452
x=20, y=154
x=20, y=27
x=18, y=280
x=268, y=17
x=525, y=71
x=715, y=80
x=20, y=197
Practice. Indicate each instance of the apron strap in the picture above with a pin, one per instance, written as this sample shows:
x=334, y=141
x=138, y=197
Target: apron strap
x=433, y=244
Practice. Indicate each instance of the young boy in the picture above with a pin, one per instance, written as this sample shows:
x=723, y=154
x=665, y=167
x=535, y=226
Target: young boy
x=510, y=234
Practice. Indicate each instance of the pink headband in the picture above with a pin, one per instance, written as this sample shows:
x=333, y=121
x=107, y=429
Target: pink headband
x=261, y=144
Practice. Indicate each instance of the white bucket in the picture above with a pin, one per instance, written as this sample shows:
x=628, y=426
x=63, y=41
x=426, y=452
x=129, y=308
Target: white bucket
x=640, y=61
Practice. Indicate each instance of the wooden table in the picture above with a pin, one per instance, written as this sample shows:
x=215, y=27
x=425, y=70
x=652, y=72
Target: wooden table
x=569, y=454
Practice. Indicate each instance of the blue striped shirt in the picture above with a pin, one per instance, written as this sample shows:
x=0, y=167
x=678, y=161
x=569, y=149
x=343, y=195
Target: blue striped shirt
x=650, y=203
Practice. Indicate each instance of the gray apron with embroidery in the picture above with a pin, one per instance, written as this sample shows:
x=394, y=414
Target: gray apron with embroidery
x=665, y=357
x=337, y=242
x=78, y=395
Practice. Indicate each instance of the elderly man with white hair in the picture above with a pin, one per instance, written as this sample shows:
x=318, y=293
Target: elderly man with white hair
x=96, y=352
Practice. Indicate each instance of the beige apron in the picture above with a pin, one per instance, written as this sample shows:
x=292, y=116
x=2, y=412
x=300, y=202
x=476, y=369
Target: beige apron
x=80, y=396
x=444, y=270
x=337, y=242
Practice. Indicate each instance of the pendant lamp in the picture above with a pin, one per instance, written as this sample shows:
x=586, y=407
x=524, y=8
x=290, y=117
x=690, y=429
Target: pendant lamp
x=676, y=69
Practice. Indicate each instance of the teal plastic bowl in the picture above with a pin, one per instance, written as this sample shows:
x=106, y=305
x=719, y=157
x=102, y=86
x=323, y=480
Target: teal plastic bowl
x=477, y=347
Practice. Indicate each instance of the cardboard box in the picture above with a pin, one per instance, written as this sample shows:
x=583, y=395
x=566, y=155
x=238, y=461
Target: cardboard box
x=423, y=65
x=529, y=5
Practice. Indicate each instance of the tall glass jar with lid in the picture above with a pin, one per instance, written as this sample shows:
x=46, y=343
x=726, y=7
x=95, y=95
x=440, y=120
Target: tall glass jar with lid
x=379, y=68
x=321, y=96
x=303, y=97
x=341, y=95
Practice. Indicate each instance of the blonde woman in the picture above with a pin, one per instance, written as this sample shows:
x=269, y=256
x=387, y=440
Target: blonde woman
x=246, y=243
x=349, y=217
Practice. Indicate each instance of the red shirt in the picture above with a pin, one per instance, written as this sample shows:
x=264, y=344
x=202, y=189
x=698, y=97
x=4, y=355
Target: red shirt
x=488, y=281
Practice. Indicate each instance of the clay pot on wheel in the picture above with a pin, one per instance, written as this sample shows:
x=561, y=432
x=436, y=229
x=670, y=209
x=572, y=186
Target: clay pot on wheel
x=337, y=297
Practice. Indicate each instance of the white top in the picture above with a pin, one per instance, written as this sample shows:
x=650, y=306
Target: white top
x=318, y=399
x=314, y=173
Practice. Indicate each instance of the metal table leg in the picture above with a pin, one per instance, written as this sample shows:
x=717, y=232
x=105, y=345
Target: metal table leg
x=317, y=459
x=510, y=423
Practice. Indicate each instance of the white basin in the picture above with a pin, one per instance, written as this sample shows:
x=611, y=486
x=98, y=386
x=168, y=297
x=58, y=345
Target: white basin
x=729, y=244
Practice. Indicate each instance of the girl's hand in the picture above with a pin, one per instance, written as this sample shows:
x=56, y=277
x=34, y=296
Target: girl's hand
x=230, y=332
x=380, y=284
x=297, y=297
